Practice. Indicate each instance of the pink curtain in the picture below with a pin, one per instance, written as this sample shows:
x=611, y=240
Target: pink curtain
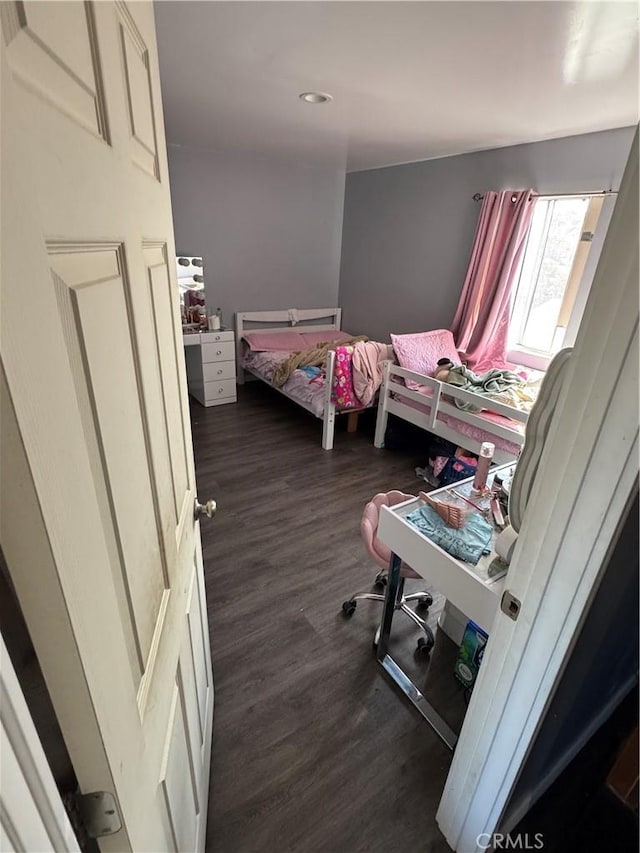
x=481, y=321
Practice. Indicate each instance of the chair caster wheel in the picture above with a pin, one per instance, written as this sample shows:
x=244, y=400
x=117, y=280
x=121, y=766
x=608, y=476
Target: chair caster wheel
x=425, y=644
x=425, y=601
x=381, y=580
x=348, y=608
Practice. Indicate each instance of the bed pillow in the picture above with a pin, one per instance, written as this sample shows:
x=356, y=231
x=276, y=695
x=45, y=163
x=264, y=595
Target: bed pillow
x=312, y=339
x=285, y=341
x=421, y=352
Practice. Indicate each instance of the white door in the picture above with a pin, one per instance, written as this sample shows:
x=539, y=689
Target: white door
x=98, y=488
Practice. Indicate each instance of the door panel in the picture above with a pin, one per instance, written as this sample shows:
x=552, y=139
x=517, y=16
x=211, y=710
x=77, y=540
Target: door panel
x=198, y=636
x=92, y=283
x=56, y=56
x=135, y=61
x=161, y=292
x=177, y=777
x=99, y=392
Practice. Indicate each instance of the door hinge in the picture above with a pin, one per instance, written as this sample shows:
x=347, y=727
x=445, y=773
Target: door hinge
x=510, y=605
x=93, y=815
x=586, y=237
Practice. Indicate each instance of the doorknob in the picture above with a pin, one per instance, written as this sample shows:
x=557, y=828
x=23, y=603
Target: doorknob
x=208, y=509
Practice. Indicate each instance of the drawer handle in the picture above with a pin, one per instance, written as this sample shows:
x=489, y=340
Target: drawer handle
x=220, y=390
x=219, y=372
x=217, y=338
x=218, y=352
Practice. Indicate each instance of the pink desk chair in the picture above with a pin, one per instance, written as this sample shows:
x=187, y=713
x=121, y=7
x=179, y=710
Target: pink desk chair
x=382, y=555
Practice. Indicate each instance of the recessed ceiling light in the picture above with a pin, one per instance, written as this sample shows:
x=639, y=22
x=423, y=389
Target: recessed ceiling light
x=315, y=97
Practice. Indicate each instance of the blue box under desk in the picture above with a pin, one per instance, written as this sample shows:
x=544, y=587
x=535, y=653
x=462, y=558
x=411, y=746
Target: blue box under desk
x=470, y=654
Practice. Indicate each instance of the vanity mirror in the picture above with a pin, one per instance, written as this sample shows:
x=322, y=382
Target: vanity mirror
x=190, y=272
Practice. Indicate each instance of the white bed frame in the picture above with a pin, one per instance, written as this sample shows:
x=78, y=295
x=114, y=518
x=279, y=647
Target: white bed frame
x=305, y=319
x=429, y=420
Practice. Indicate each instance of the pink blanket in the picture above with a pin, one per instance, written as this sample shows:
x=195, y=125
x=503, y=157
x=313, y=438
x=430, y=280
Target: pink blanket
x=367, y=364
x=342, y=393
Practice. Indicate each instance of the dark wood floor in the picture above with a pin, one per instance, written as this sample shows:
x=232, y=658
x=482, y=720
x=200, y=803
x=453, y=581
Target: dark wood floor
x=313, y=749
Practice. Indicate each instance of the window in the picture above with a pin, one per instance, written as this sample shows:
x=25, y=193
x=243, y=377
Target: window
x=550, y=276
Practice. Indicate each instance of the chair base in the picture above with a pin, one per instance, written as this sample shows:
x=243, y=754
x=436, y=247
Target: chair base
x=424, y=599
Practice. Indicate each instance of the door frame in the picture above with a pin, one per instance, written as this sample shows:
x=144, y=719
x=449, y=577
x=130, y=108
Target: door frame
x=31, y=809
x=588, y=473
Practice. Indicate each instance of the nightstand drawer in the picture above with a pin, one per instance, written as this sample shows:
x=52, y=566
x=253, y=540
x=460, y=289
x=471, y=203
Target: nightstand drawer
x=223, y=351
x=220, y=390
x=217, y=337
x=215, y=371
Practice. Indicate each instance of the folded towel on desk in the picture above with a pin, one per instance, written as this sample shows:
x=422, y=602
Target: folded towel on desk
x=467, y=543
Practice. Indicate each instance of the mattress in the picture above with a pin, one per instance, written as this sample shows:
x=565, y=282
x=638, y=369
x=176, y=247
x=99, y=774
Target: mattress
x=300, y=387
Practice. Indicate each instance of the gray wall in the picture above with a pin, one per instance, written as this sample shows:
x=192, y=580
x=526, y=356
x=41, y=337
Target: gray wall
x=269, y=232
x=408, y=230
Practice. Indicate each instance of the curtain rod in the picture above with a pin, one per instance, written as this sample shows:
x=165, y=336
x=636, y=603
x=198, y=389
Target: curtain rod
x=480, y=196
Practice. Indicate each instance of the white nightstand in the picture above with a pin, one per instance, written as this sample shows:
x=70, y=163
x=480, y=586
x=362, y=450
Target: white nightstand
x=211, y=367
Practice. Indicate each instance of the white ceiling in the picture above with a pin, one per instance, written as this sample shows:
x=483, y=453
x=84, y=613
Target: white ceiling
x=410, y=80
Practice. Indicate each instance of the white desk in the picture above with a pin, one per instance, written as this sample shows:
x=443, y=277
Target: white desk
x=470, y=588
